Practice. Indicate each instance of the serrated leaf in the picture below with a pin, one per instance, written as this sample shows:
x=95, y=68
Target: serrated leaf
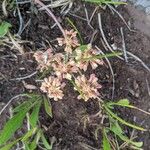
x=33, y=118
x=106, y=144
x=48, y=107
x=4, y=28
x=121, y=120
x=13, y=125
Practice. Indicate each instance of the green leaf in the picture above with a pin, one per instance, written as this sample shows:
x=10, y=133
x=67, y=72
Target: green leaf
x=45, y=143
x=29, y=134
x=121, y=120
x=33, y=118
x=13, y=125
x=101, y=56
x=22, y=106
x=4, y=28
x=48, y=107
x=29, y=101
x=116, y=129
x=105, y=2
x=106, y=144
x=10, y=145
x=27, y=146
x=83, y=47
x=34, y=143
x=123, y=103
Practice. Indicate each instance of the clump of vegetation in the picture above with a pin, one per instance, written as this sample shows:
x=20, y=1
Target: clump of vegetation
x=70, y=65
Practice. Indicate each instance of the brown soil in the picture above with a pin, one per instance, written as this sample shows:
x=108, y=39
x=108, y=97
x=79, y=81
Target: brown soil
x=67, y=124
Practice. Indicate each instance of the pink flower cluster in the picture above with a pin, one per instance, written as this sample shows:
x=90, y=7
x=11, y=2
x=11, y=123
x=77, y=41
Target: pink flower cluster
x=69, y=65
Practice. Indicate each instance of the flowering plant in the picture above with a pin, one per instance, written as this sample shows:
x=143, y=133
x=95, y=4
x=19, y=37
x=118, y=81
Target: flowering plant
x=69, y=65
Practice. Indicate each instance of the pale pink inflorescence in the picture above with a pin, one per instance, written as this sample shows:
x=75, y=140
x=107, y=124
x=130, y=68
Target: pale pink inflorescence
x=70, y=41
x=66, y=66
x=88, y=87
x=44, y=59
x=65, y=69
x=86, y=57
x=53, y=87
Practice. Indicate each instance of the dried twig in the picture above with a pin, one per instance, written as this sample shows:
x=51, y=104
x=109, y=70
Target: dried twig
x=139, y=60
x=93, y=14
x=16, y=44
x=123, y=45
x=26, y=77
x=148, y=87
x=21, y=22
x=4, y=5
x=112, y=8
x=111, y=70
x=87, y=17
x=49, y=12
x=103, y=35
x=17, y=96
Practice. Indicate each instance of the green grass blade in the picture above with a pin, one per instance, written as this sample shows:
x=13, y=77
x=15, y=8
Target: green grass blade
x=106, y=143
x=10, y=145
x=29, y=101
x=121, y=120
x=33, y=145
x=29, y=134
x=101, y=56
x=48, y=107
x=105, y=2
x=13, y=125
x=45, y=143
x=117, y=130
x=33, y=118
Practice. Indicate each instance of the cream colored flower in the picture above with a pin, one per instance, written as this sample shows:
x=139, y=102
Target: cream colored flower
x=64, y=69
x=88, y=88
x=44, y=59
x=86, y=57
x=70, y=41
x=53, y=87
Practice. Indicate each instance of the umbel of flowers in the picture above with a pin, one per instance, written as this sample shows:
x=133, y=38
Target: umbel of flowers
x=72, y=65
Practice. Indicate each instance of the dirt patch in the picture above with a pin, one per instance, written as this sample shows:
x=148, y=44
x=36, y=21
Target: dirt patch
x=131, y=79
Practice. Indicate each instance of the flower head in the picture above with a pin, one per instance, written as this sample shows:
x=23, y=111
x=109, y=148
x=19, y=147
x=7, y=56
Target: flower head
x=44, y=59
x=64, y=69
x=52, y=86
x=70, y=41
x=88, y=88
x=86, y=57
